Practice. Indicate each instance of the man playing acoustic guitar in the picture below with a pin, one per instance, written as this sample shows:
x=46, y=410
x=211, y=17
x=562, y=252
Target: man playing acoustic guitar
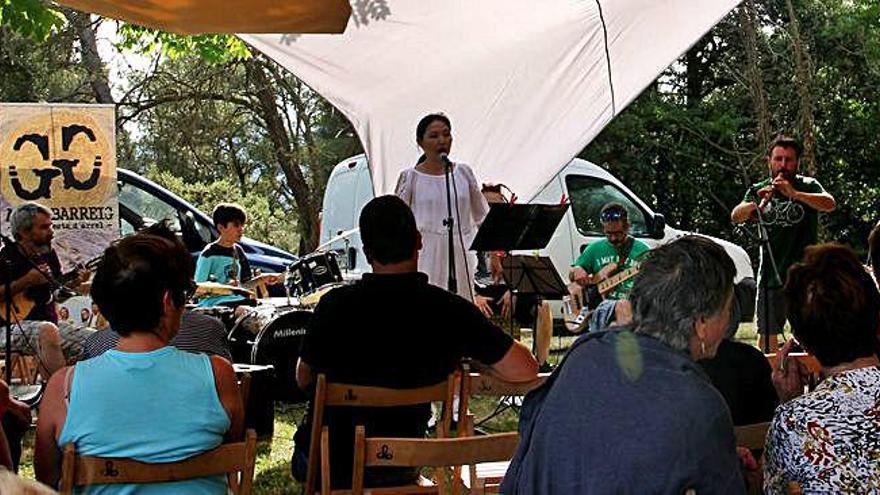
x=616, y=256
x=35, y=273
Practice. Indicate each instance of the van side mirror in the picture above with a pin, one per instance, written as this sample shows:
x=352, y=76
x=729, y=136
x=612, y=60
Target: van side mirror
x=658, y=226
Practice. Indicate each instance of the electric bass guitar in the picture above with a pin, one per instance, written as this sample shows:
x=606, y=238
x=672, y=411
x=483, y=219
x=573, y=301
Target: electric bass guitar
x=609, y=284
x=578, y=308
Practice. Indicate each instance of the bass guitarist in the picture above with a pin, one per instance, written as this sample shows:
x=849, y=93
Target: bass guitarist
x=617, y=253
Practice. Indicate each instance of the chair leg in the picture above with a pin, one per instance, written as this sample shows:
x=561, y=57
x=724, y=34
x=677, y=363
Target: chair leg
x=67, y=470
x=325, y=461
x=250, y=452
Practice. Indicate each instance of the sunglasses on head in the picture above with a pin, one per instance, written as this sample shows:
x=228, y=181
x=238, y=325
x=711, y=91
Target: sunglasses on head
x=612, y=215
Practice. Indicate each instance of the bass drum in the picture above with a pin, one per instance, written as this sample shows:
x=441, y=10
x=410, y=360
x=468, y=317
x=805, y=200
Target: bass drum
x=269, y=335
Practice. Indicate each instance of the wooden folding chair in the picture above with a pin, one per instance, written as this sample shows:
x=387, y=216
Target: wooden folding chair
x=752, y=436
x=425, y=452
x=231, y=459
x=486, y=477
x=346, y=395
x=244, y=389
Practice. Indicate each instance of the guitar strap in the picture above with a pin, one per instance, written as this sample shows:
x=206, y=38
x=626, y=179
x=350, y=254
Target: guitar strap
x=623, y=254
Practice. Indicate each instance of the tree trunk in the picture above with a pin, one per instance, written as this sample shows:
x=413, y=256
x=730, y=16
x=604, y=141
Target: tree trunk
x=85, y=30
x=803, y=76
x=748, y=27
x=694, y=87
x=267, y=109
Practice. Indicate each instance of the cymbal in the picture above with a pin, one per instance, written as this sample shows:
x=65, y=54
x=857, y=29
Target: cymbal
x=205, y=289
x=314, y=298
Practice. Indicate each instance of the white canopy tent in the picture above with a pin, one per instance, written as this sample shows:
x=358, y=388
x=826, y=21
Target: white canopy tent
x=526, y=84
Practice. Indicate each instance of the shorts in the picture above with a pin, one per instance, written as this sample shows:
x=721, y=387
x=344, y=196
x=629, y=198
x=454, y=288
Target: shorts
x=603, y=315
x=772, y=314
x=26, y=338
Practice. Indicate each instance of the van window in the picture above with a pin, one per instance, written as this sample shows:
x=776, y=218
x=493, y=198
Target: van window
x=588, y=195
x=148, y=206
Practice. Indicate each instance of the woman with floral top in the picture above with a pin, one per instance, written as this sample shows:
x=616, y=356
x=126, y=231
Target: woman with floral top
x=828, y=440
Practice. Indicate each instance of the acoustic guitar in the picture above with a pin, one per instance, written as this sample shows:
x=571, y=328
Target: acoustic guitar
x=22, y=304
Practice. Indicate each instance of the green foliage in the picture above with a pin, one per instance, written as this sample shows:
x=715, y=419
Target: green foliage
x=689, y=141
x=265, y=223
x=31, y=18
x=215, y=48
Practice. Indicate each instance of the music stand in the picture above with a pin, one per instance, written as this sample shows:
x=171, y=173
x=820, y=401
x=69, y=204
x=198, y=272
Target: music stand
x=512, y=227
x=516, y=227
x=533, y=275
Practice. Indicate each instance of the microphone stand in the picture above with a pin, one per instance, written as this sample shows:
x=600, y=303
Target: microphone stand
x=764, y=239
x=452, y=283
x=6, y=270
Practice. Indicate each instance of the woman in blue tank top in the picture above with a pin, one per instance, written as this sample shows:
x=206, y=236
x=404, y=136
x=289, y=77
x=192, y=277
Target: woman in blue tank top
x=144, y=399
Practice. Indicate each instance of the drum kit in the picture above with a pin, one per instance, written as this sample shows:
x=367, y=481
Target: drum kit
x=269, y=331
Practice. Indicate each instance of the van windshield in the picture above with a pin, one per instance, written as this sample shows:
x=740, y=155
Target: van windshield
x=588, y=196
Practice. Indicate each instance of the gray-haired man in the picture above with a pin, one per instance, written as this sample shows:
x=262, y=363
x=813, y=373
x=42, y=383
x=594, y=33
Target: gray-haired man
x=33, y=269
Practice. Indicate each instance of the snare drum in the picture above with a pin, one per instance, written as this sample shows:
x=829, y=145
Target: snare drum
x=314, y=271
x=272, y=335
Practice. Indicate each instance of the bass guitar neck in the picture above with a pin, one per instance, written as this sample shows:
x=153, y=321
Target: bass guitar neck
x=611, y=283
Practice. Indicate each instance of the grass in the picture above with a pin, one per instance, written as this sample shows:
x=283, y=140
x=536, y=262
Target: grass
x=272, y=474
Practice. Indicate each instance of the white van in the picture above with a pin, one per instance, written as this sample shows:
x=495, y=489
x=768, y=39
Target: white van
x=587, y=186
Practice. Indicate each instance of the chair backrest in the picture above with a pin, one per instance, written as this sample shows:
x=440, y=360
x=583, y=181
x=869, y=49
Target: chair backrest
x=477, y=384
x=244, y=389
x=230, y=458
x=752, y=436
x=348, y=395
x=481, y=384
x=430, y=452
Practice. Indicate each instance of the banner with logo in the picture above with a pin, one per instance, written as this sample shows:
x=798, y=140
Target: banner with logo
x=64, y=157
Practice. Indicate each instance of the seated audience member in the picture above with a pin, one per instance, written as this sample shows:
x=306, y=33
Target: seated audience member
x=144, y=399
x=9, y=453
x=629, y=410
x=393, y=329
x=742, y=374
x=16, y=421
x=828, y=440
x=198, y=333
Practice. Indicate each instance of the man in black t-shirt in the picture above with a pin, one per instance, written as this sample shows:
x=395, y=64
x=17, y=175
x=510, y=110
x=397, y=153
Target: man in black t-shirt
x=392, y=329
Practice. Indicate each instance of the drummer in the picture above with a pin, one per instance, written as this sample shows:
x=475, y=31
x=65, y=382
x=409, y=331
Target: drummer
x=224, y=261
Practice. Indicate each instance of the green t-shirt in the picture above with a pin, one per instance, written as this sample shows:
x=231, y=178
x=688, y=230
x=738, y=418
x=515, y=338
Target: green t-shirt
x=600, y=253
x=791, y=227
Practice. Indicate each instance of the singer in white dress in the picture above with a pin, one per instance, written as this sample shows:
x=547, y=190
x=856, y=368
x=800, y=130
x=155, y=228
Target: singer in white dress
x=423, y=188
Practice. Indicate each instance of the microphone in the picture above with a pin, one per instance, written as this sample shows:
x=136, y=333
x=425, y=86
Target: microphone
x=766, y=200
x=445, y=159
